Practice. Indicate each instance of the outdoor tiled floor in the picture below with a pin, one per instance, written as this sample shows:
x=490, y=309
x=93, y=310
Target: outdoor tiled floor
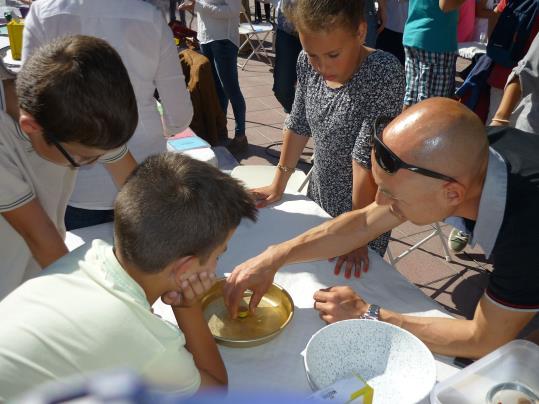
x=456, y=285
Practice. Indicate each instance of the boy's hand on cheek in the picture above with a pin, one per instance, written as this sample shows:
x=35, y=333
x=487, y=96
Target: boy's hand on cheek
x=191, y=290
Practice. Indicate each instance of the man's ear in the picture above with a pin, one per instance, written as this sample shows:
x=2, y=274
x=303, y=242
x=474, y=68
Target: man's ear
x=454, y=193
x=29, y=124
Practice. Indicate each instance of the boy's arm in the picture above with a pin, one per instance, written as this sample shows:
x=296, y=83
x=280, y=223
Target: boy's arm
x=200, y=342
x=120, y=169
x=38, y=231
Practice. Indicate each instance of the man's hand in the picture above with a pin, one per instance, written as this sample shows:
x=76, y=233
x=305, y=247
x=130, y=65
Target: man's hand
x=354, y=262
x=339, y=303
x=266, y=195
x=187, y=5
x=191, y=290
x=256, y=275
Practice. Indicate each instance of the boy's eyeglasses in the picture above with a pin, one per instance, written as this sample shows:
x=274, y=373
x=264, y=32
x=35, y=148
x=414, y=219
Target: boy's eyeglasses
x=74, y=163
x=390, y=162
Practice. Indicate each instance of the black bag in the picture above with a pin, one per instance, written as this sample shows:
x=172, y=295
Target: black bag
x=506, y=45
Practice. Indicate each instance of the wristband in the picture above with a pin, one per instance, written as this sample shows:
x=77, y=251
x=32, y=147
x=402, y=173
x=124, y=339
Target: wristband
x=500, y=120
x=284, y=169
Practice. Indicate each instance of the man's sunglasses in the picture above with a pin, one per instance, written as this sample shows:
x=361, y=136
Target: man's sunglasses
x=390, y=162
x=51, y=138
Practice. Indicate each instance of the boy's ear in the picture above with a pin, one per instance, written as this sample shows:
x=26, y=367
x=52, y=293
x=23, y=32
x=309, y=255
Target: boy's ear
x=181, y=268
x=29, y=124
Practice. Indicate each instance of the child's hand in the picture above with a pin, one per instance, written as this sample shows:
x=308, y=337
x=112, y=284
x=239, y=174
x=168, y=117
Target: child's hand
x=191, y=290
x=354, y=262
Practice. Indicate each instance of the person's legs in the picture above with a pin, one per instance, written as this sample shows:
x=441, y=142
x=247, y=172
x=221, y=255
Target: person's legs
x=76, y=218
x=225, y=55
x=411, y=68
x=258, y=12
x=267, y=11
x=207, y=50
x=437, y=74
x=287, y=49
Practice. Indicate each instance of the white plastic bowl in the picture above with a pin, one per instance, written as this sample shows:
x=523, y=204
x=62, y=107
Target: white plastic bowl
x=395, y=363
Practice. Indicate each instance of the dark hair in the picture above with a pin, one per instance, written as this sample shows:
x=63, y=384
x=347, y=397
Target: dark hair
x=173, y=206
x=77, y=89
x=325, y=15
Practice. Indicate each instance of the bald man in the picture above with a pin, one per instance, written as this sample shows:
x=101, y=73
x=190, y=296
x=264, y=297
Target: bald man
x=433, y=162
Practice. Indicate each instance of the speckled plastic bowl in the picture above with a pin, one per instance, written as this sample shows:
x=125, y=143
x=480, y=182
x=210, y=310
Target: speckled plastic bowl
x=395, y=363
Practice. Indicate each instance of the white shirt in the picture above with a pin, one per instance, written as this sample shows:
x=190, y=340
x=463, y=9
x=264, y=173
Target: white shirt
x=85, y=314
x=218, y=19
x=25, y=176
x=138, y=31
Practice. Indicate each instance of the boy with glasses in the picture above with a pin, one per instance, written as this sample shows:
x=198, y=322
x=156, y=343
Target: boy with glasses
x=77, y=107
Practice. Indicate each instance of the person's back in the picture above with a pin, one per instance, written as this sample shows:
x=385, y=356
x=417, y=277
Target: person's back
x=85, y=314
x=91, y=310
x=139, y=33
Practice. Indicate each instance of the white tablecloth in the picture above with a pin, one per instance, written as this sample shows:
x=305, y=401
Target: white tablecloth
x=278, y=365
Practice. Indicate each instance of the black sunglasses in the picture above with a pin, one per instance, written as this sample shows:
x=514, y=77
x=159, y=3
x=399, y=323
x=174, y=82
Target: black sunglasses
x=390, y=162
x=51, y=138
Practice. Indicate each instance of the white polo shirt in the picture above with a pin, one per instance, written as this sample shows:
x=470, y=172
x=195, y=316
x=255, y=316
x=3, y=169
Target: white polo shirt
x=141, y=36
x=24, y=175
x=85, y=314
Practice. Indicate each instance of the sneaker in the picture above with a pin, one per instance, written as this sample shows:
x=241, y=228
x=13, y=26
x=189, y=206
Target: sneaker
x=238, y=145
x=457, y=240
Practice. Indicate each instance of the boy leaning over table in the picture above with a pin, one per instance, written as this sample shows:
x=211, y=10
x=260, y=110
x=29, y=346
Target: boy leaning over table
x=76, y=107
x=91, y=310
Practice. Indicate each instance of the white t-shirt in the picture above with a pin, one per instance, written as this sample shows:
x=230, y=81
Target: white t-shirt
x=25, y=176
x=139, y=33
x=218, y=19
x=85, y=314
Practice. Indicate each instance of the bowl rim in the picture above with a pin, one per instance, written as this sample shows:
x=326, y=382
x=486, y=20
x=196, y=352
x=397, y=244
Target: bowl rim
x=315, y=387
x=259, y=340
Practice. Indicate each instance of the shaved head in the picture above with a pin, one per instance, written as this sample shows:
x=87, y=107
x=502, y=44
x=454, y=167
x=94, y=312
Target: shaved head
x=442, y=135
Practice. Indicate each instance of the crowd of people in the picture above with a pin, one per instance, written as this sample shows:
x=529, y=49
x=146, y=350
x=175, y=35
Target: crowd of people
x=82, y=143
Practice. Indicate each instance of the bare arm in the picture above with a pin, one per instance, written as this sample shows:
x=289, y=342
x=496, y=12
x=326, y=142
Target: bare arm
x=450, y=5
x=363, y=194
x=330, y=239
x=38, y=231
x=200, y=342
x=120, y=170
x=510, y=99
x=491, y=327
x=293, y=145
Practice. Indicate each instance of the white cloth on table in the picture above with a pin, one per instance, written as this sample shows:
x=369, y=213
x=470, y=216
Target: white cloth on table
x=140, y=34
x=278, y=364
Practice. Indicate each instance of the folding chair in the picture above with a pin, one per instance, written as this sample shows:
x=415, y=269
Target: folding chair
x=436, y=233
x=255, y=35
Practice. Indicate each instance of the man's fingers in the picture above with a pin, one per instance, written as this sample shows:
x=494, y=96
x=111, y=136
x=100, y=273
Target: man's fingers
x=233, y=297
x=321, y=295
x=171, y=298
x=255, y=300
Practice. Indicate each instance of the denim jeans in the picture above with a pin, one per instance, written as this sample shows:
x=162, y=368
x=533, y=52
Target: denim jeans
x=223, y=56
x=76, y=217
x=287, y=49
